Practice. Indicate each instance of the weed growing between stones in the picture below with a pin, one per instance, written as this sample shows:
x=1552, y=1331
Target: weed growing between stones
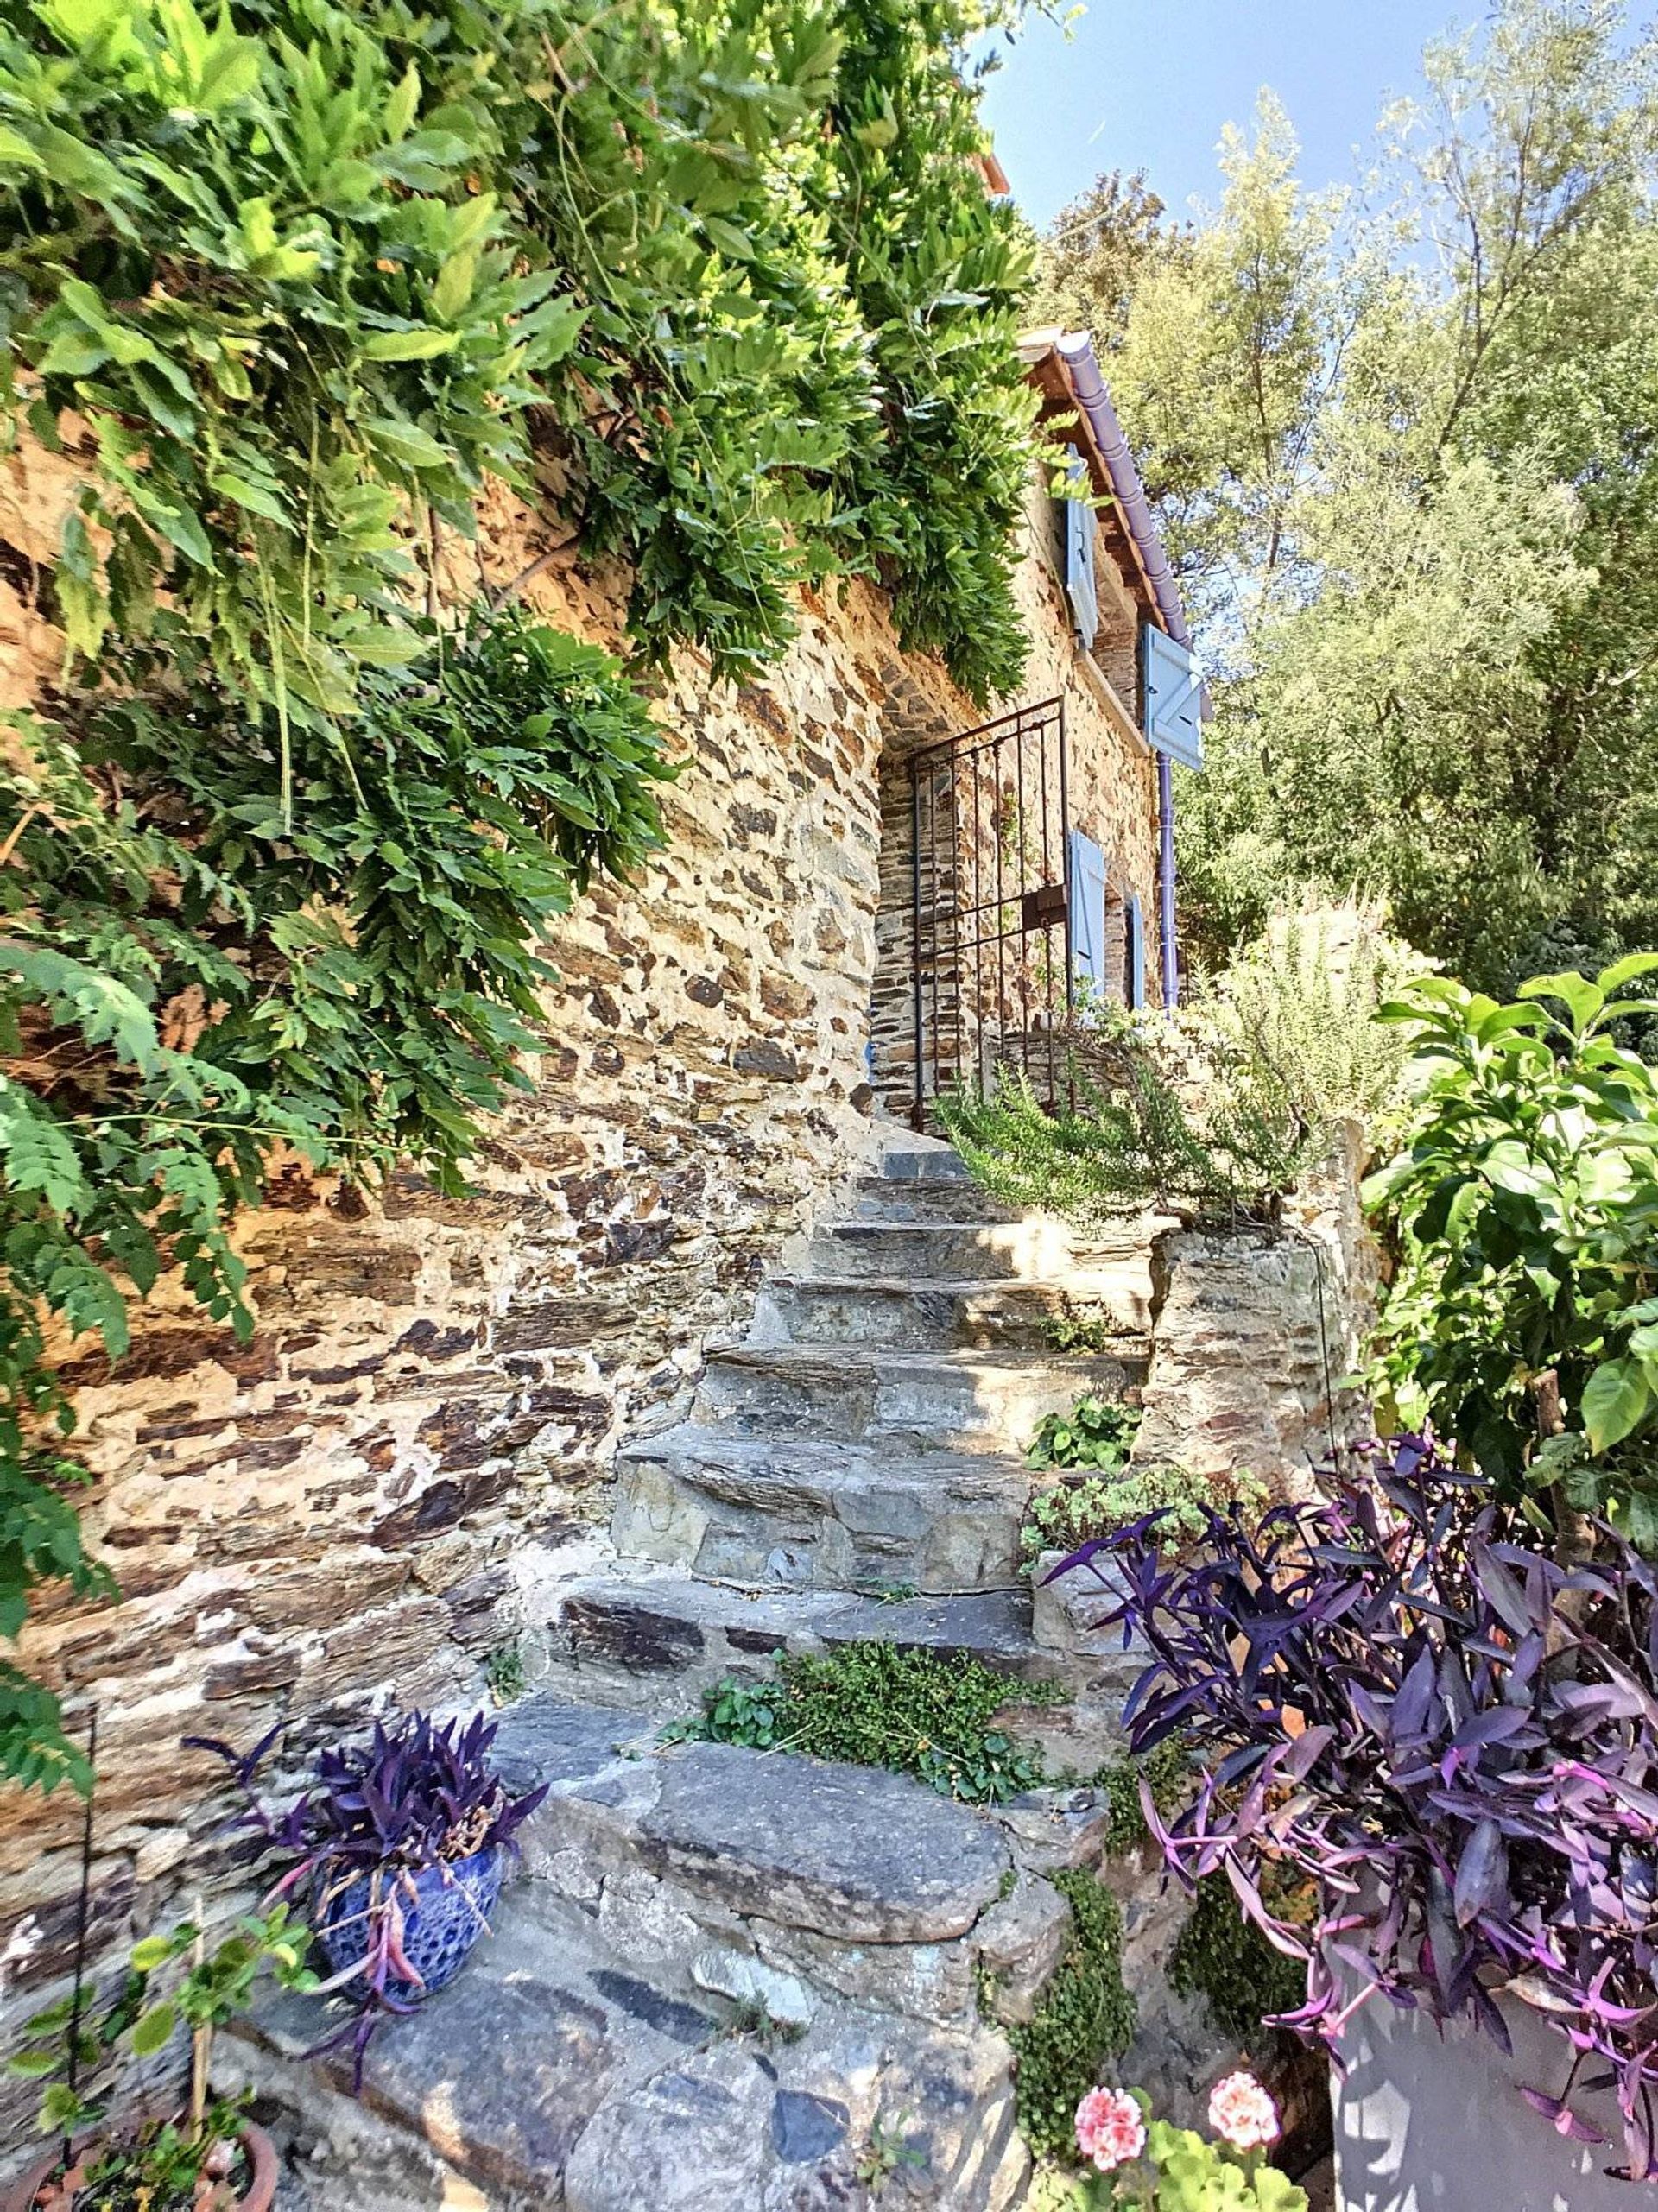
x=1086, y=2019
x=505, y=1671
x=1222, y=1958
x=873, y=1704
x=1096, y=1432
x=1083, y=1329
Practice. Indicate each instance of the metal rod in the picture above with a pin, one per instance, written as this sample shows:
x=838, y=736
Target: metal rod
x=83, y=1913
x=1171, y=958
x=918, y=1111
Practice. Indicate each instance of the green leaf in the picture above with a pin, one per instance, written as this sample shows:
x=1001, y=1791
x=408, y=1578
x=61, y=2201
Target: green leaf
x=39, y=1154
x=154, y=2030
x=1615, y=1401
x=230, y=71
x=422, y=344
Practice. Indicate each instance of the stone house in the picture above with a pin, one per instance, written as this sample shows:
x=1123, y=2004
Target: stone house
x=373, y=1496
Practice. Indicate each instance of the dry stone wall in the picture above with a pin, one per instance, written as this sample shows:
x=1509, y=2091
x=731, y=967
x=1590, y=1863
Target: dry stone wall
x=1254, y=1335
x=348, y=1511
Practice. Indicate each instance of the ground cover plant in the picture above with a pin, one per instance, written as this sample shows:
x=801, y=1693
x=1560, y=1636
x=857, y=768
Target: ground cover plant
x=1400, y=1699
x=913, y=1711
x=1072, y=1512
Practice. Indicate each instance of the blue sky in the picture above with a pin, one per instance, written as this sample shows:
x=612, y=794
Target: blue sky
x=1148, y=84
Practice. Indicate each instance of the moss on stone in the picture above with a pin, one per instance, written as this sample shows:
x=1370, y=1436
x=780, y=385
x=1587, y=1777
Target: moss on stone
x=1086, y=2018
x=1225, y=1960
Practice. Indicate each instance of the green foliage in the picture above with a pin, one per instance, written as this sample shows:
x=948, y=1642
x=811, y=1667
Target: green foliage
x=1167, y=1773
x=1225, y=1960
x=940, y=275
x=888, y=2153
x=1083, y=1329
x=290, y=287
x=185, y=985
x=1301, y=999
x=133, y=2020
x=1075, y=1510
x=504, y=1672
x=1096, y=1432
x=1525, y=1203
x=1182, y=2171
x=1086, y=2018
x=912, y=1711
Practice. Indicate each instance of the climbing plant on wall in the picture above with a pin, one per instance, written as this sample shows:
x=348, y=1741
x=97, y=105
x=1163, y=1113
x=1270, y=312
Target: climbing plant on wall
x=283, y=289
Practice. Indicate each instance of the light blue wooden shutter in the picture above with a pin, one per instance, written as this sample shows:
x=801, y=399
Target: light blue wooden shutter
x=1088, y=910
x=1080, y=585
x=1134, y=925
x=1173, y=698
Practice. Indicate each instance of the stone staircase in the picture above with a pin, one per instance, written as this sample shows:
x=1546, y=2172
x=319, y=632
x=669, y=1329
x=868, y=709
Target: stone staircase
x=742, y=1981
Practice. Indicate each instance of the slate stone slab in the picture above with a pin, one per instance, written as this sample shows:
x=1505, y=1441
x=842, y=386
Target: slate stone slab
x=851, y=1852
x=804, y=2128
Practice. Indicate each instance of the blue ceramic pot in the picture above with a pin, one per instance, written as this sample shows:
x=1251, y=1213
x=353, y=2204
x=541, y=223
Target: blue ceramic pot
x=441, y=1922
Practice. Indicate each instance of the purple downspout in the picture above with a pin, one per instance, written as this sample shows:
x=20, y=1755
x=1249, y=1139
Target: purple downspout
x=1077, y=351
x=1171, y=958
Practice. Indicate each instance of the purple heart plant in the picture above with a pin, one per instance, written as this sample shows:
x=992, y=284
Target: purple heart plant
x=1451, y=1735
x=415, y=1801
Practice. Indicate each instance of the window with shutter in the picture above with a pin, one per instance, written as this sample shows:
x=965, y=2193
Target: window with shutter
x=1174, y=691
x=1080, y=585
x=1088, y=914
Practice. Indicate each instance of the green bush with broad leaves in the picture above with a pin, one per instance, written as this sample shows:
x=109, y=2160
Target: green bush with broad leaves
x=287, y=286
x=1523, y=1319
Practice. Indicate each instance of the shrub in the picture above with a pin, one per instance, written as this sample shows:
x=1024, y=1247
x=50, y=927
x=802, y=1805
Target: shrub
x=915, y=1712
x=1522, y=1319
x=1149, y=1129
x=1301, y=1000
x=1399, y=1685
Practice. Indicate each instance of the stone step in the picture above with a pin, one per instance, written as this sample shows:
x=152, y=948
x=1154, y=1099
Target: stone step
x=552, y=2074
x=914, y=1401
x=885, y=1197
x=788, y=1512
x=649, y=1641
x=1033, y=1249
x=916, y=1315
x=907, y=1157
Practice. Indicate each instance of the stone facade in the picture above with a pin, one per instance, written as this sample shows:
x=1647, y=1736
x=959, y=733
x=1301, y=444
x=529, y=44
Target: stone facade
x=347, y=1512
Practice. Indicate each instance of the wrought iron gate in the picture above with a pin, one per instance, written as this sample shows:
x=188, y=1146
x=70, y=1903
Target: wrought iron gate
x=990, y=926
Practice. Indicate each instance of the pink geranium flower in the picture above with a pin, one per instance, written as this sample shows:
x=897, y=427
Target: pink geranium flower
x=1110, y=2128
x=1241, y=2113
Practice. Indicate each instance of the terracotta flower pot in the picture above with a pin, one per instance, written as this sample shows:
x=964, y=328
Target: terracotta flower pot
x=261, y=2156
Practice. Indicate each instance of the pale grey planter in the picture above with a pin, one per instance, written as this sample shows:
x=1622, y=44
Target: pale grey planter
x=1432, y=2121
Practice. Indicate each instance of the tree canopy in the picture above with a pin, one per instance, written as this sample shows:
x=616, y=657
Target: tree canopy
x=1402, y=443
